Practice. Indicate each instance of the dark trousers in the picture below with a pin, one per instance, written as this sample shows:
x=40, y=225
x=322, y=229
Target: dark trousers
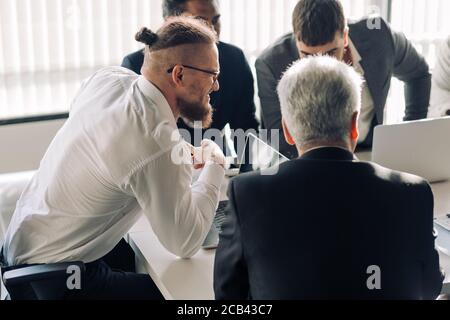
x=109, y=278
x=113, y=278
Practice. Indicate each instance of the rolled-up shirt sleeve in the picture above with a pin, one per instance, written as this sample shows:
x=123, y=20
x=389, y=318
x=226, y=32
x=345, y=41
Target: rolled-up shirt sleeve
x=180, y=213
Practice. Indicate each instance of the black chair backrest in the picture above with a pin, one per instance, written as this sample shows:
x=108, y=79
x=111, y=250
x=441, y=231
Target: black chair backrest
x=42, y=281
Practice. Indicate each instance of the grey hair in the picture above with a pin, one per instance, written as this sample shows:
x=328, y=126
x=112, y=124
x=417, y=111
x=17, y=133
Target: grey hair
x=318, y=97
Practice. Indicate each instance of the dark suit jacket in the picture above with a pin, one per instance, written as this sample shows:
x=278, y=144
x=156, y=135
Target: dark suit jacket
x=312, y=231
x=234, y=102
x=384, y=54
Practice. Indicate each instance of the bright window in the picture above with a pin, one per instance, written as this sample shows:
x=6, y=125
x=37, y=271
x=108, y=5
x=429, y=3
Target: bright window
x=49, y=46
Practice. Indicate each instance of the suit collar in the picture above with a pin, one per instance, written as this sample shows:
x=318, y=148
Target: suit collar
x=368, y=62
x=361, y=47
x=293, y=50
x=330, y=154
x=359, y=40
x=356, y=57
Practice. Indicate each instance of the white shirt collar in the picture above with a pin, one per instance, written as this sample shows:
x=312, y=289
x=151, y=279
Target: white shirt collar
x=152, y=93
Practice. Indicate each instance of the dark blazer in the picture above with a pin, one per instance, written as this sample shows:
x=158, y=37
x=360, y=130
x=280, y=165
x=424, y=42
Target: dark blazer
x=234, y=102
x=312, y=231
x=384, y=52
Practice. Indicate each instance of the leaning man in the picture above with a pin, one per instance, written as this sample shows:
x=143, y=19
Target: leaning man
x=114, y=160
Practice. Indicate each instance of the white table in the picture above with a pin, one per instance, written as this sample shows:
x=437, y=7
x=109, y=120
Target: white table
x=178, y=279
x=192, y=279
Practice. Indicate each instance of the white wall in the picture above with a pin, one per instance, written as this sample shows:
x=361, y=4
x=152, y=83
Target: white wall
x=22, y=146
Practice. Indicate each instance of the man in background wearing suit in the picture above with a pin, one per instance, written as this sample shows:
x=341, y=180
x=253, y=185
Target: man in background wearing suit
x=327, y=226
x=234, y=102
x=374, y=50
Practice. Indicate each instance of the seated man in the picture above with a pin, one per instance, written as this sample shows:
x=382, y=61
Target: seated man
x=440, y=89
x=118, y=156
x=233, y=103
x=370, y=46
x=327, y=226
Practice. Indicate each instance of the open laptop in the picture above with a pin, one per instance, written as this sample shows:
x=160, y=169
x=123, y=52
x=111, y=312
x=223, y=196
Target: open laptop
x=419, y=147
x=256, y=155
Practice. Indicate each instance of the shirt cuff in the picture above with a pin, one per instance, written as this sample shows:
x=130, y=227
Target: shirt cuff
x=212, y=174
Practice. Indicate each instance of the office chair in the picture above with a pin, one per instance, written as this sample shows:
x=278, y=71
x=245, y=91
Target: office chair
x=39, y=282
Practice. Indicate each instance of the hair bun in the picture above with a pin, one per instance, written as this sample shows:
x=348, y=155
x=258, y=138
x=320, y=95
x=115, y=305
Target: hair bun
x=146, y=36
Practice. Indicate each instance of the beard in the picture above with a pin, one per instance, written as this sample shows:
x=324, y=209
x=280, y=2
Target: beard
x=195, y=112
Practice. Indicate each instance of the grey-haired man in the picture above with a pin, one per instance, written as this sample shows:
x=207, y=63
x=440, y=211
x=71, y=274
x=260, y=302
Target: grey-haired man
x=327, y=226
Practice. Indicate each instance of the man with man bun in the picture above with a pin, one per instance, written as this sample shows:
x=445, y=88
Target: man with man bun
x=116, y=157
x=234, y=103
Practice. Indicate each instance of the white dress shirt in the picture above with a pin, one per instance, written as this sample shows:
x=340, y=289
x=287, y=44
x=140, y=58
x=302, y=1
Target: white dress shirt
x=367, y=106
x=110, y=163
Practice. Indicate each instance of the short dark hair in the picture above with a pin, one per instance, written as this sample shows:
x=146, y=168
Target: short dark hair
x=316, y=22
x=177, y=31
x=173, y=8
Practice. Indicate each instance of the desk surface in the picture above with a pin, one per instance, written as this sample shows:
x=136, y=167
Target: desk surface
x=192, y=279
x=178, y=279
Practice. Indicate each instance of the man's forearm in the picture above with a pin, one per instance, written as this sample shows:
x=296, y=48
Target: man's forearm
x=417, y=98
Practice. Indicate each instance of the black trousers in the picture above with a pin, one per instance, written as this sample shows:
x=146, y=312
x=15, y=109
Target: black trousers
x=109, y=278
x=113, y=278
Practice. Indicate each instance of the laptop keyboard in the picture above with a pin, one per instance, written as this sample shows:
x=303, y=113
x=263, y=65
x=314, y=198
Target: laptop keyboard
x=444, y=222
x=220, y=215
x=212, y=238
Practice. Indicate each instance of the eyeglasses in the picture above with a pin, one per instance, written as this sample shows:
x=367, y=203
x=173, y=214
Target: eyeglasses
x=213, y=73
